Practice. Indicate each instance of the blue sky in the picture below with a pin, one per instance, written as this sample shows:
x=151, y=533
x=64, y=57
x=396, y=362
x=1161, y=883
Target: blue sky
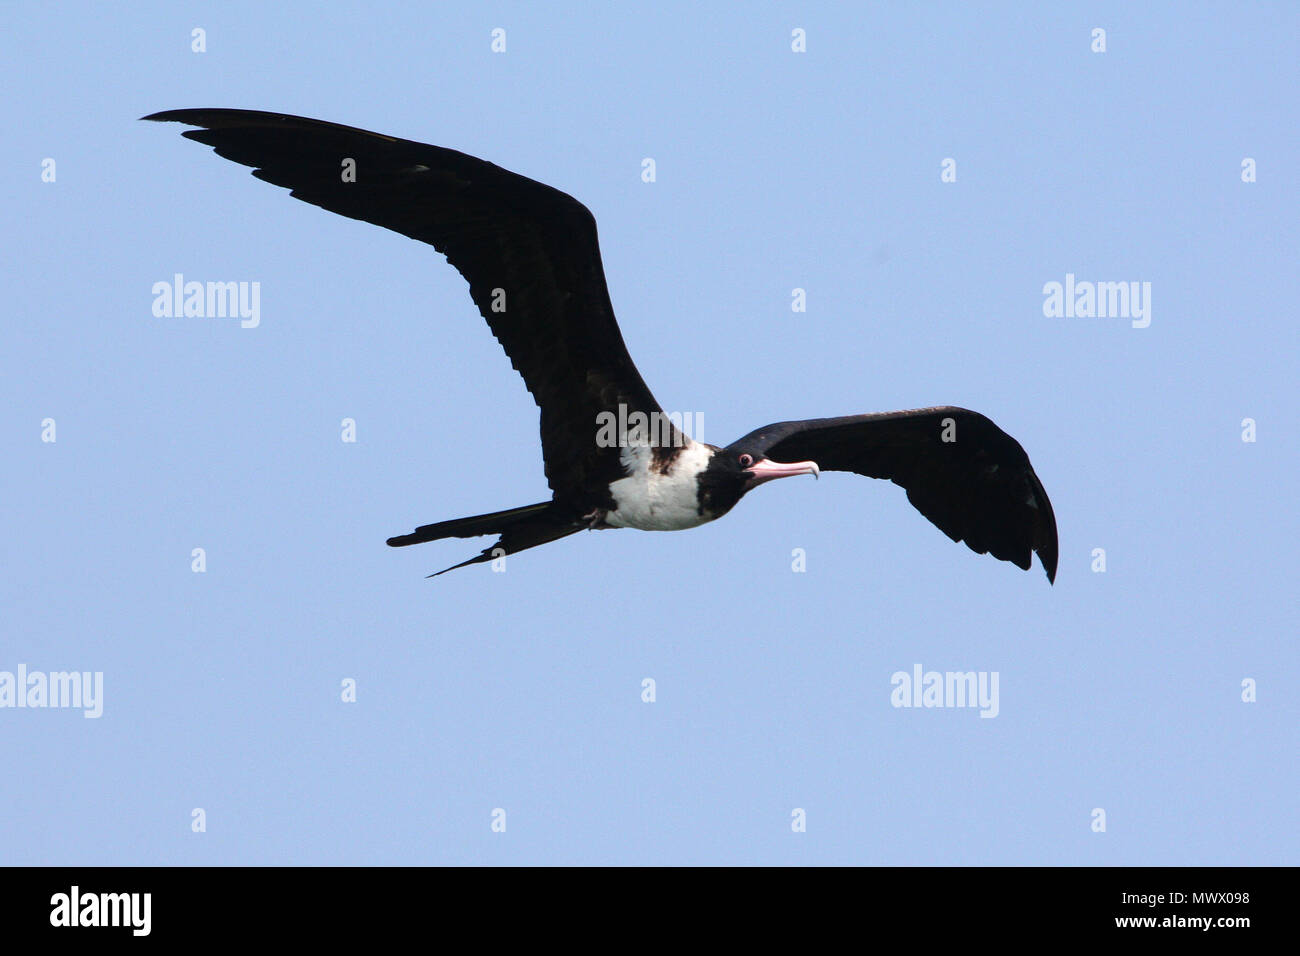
x=1118, y=690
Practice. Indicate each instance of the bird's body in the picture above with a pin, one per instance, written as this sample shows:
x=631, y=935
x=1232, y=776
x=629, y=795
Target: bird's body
x=532, y=260
x=660, y=497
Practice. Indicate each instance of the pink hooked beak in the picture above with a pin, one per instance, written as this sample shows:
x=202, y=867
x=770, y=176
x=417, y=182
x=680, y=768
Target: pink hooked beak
x=765, y=470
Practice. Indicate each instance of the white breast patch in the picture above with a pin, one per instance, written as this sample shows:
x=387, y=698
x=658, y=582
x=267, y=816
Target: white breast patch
x=656, y=502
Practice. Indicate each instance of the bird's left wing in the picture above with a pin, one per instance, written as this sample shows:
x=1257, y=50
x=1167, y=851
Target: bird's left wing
x=969, y=477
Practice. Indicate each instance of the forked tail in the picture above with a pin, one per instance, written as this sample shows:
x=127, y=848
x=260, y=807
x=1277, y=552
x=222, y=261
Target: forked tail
x=519, y=528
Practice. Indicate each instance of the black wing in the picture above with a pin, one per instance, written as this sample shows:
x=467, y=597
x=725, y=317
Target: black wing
x=529, y=253
x=961, y=471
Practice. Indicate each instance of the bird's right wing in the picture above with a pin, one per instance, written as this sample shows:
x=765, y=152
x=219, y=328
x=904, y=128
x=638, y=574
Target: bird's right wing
x=528, y=251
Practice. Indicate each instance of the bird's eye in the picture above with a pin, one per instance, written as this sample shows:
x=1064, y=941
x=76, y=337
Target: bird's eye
x=746, y=460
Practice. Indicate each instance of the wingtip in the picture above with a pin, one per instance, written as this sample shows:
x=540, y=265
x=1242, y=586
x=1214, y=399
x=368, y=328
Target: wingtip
x=205, y=115
x=1047, y=558
x=165, y=116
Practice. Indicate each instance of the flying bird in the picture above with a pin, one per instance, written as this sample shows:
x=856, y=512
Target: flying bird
x=532, y=260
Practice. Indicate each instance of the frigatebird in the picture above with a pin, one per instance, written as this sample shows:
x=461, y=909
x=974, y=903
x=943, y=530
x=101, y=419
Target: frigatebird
x=532, y=260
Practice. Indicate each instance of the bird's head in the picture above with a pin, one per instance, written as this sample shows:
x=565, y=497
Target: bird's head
x=741, y=467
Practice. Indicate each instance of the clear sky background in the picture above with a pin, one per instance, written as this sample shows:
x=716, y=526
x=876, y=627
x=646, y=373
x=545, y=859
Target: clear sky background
x=522, y=690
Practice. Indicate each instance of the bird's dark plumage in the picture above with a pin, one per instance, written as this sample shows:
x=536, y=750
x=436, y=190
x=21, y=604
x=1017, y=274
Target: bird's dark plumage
x=532, y=260
x=528, y=251
x=969, y=477
x=519, y=529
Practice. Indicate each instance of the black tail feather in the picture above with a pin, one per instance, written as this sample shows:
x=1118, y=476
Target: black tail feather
x=494, y=523
x=519, y=529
